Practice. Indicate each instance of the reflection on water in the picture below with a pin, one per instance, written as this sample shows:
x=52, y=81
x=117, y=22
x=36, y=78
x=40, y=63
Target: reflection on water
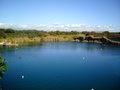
x=61, y=66
x=30, y=43
x=1, y=75
x=56, y=45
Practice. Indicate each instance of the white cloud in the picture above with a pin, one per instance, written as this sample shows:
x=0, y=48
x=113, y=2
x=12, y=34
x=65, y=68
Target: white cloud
x=61, y=27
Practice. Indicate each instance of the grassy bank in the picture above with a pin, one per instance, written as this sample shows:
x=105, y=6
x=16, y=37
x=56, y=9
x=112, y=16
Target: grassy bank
x=18, y=36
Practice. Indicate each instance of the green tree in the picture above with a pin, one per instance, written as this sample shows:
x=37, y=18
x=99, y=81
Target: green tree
x=86, y=33
x=3, y=65
x=106, y=33
x=2, y=34
x=9, y=31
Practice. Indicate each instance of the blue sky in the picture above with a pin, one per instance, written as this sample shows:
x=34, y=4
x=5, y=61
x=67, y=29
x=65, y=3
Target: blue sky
x=91, y=12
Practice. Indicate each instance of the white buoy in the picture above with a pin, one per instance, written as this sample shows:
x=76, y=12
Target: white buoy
x=23, y=77
x=83, y=58
x=92, y=89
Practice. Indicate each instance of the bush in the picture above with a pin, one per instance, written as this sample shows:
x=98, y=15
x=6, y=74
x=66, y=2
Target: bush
x=3, y=65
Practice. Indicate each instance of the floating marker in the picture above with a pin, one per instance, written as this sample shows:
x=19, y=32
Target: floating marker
x=83, y=58
x=92, y=89
x=23, y=77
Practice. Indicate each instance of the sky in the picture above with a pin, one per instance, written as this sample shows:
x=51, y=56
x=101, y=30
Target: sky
x=48, y=12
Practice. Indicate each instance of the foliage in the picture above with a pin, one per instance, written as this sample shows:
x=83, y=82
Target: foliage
x=10, y=33
x=86, y=33
x=3, y=65
x=2, y=34
x=106, y=33
x=29, y=35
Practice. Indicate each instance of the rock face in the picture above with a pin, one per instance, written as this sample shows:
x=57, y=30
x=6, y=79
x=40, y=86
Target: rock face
x=79, y=38
x=103, y=39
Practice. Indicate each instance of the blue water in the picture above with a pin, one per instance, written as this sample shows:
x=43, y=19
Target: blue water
x=61, y=66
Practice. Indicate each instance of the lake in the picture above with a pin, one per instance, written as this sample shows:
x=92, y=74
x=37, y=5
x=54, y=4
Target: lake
x=61, y=66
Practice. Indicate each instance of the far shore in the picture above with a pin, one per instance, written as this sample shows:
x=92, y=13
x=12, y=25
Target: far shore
x=10, y=37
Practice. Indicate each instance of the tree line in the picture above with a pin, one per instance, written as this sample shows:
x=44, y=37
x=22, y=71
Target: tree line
x=11, y=33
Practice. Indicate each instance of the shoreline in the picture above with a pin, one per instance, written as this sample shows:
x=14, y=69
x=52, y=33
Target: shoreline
x=7, y=44
x=22, y=43
x=59, y=38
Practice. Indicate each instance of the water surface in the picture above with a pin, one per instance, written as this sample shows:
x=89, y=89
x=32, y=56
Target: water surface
x=61, y=66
